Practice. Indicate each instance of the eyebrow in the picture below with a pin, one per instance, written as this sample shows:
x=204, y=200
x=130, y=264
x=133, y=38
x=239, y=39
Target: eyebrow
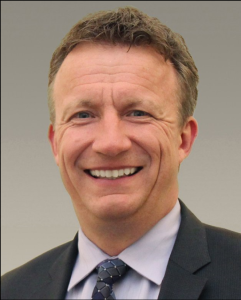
x=81, y=103
x=132, y=103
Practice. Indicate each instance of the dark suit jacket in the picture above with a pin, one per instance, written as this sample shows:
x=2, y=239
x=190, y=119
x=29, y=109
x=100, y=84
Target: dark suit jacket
x=205, y=264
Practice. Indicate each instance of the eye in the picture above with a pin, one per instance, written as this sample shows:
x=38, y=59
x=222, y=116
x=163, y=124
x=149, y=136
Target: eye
x=83, y=115
x=138, y=113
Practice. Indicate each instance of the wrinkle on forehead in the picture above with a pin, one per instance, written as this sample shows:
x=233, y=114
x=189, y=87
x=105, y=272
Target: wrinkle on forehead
x=151, y=79
x=106, y=67
x=111, y=60
x=94, y=74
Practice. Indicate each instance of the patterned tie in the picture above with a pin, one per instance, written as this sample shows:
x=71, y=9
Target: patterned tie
x=109, y=271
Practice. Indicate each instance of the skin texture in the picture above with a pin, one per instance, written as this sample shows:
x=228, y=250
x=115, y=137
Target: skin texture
x=117, y=109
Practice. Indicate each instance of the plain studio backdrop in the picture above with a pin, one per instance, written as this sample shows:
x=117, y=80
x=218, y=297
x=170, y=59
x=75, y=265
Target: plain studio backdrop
x=37, y=212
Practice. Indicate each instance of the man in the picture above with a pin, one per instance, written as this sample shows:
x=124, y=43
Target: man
x=122, y=91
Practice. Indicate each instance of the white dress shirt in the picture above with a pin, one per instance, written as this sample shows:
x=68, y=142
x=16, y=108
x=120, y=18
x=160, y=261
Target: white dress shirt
x=147, y=257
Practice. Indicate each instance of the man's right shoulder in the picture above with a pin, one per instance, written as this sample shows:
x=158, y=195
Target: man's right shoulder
x=35, y=268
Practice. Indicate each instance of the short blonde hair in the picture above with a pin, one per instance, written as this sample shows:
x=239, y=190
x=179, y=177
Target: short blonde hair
x=129, y=26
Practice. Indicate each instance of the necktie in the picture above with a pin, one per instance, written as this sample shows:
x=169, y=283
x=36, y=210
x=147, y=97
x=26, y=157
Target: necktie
x=109, y=271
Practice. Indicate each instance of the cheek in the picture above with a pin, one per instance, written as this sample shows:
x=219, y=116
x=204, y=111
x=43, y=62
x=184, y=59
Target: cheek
x=72, y=143
x=163, y=148
x=147, y=141
x=153, y=140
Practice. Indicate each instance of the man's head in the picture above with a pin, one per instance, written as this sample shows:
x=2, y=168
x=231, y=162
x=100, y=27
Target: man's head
x=117, y=136
x=131, y=27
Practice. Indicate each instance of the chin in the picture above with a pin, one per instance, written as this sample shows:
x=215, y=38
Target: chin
x=115, y=207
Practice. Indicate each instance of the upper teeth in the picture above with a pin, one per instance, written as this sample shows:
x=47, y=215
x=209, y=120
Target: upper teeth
x=112, y=174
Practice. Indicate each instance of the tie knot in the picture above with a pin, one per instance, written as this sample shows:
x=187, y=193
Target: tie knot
x=111, y=270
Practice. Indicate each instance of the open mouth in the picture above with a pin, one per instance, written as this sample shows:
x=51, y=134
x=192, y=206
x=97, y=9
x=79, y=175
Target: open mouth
x=113, y=174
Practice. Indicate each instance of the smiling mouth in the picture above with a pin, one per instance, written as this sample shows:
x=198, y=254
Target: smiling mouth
x=113, y=174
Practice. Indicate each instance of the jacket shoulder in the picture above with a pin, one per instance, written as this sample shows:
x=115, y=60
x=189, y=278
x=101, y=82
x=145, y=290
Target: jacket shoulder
x=19, y=278
x=224, y=248
x=214, y=252
x=224, y=270
x=223, y=240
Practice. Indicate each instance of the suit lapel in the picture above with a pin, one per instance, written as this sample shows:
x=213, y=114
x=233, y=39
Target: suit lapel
x=180, y=284
x=57, y=281
x=189, y=254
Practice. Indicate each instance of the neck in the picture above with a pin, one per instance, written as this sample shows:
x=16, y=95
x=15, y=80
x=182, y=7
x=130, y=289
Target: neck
x=114, y=236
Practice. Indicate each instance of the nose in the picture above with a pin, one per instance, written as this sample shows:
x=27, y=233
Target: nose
x=111, y=138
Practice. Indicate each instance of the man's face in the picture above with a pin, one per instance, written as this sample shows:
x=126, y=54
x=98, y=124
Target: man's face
x=117, y=140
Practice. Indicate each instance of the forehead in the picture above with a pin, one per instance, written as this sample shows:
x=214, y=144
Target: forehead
x=90, y=65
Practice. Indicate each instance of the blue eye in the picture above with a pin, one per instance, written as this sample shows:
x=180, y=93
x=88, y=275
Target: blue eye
x=83, y=115
x=138, y=113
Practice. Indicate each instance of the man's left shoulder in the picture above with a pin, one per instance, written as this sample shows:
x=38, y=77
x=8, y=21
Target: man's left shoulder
x=224, y=247
x=223, y=241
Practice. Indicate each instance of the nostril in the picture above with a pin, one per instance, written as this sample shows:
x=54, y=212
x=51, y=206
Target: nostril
x=111, y=145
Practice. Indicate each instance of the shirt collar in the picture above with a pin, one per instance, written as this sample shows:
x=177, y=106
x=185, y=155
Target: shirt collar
x=148, y=256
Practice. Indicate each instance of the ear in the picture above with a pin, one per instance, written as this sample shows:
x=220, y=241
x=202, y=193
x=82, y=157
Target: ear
x=52, y=140
x=188, y=136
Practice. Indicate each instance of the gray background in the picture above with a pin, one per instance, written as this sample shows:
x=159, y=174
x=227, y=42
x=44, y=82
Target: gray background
x=37, y=213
